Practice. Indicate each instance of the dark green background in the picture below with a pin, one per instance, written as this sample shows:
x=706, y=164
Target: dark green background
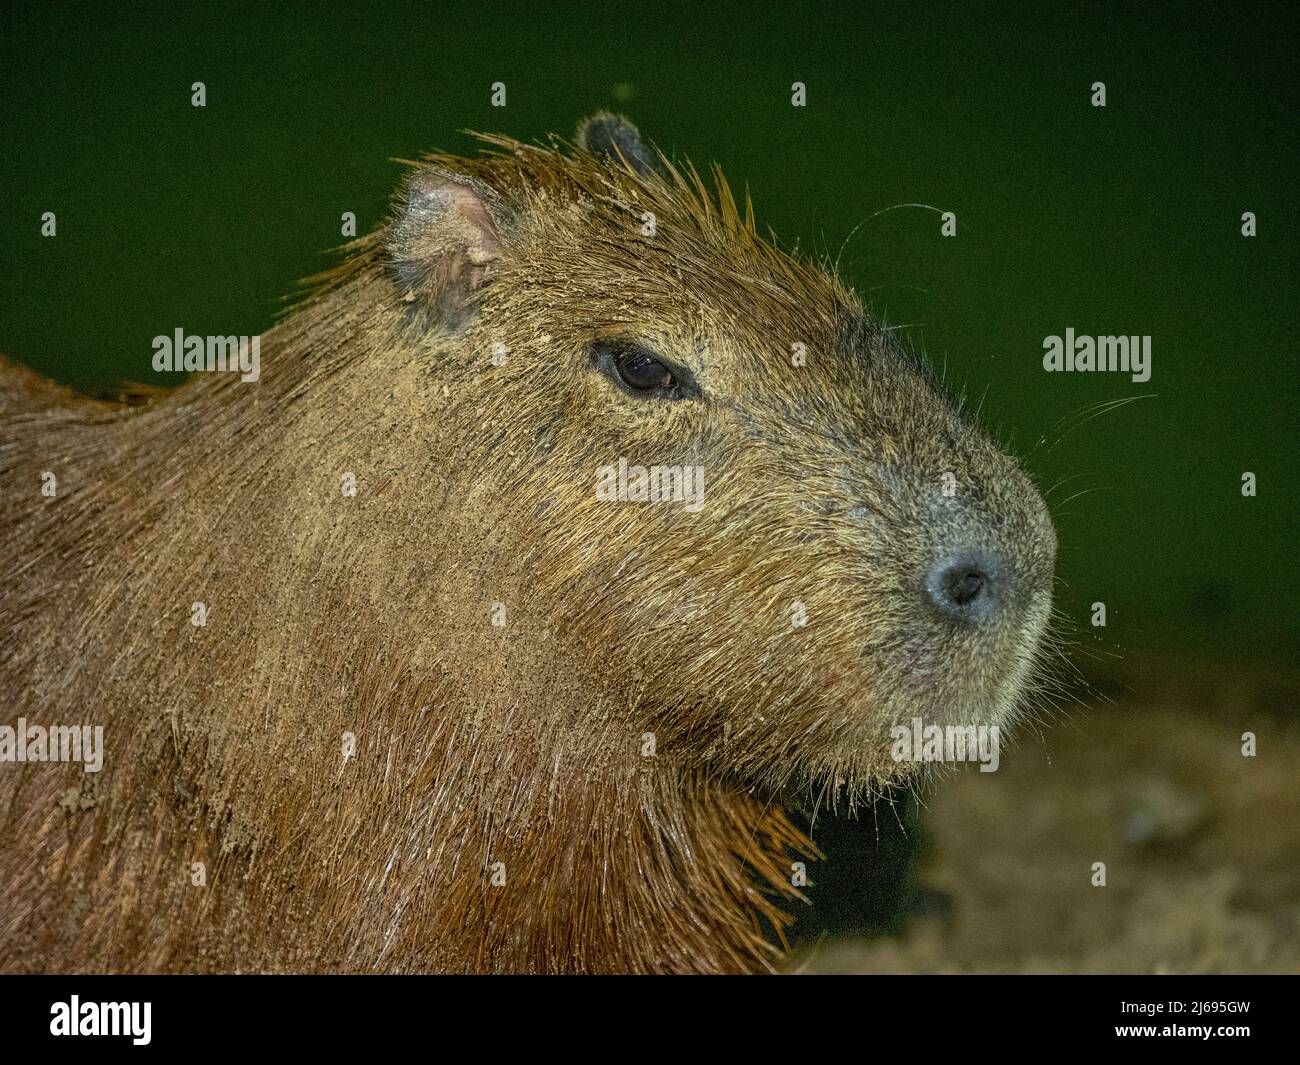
x=1117, y=220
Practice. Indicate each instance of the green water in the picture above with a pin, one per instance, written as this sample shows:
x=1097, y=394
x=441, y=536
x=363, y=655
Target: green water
x=1123, y=219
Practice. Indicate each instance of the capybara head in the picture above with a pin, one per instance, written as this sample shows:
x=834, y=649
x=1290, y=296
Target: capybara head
x=726, y=483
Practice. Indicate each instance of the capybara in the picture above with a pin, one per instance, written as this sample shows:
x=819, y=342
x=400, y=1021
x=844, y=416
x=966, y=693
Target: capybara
x=570, y=528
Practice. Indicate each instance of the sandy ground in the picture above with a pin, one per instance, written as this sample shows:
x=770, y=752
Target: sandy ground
x=1201, y=845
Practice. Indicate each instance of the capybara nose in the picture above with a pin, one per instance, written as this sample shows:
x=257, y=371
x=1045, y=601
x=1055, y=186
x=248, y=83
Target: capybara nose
x=964, y=585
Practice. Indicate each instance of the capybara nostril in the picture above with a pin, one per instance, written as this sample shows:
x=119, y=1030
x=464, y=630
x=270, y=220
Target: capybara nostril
x=964, y=585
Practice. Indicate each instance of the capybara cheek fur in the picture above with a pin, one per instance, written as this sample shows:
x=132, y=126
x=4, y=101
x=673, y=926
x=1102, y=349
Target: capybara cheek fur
x=571, y=528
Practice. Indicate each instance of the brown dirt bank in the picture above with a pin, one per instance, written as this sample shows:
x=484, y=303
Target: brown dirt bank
x=1201, y=845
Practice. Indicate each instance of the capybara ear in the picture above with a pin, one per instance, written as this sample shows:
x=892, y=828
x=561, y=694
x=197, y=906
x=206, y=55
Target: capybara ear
x=611, y=136
x=444, y=242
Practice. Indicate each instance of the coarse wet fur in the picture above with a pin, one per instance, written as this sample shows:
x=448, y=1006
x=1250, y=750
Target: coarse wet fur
x=474, y=716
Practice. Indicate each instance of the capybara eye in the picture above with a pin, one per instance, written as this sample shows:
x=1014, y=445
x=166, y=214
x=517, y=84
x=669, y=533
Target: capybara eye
x=643, y=371
x=639, y=370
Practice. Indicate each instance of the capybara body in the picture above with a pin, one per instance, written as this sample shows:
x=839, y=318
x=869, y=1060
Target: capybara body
x=452, y=707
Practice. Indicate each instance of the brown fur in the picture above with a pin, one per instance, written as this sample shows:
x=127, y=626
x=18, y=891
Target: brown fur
x=479, y=744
